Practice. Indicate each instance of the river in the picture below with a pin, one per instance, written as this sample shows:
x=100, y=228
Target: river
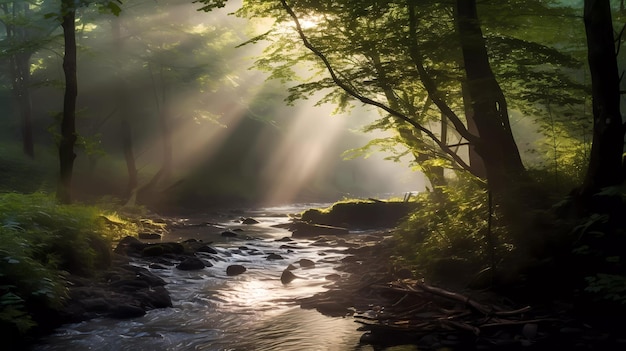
x=213, y=311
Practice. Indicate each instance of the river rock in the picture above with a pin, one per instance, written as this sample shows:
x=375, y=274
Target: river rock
x=149, y=236
x=126, y=312
x=156, y=297
x=274, y=256
x=207, y=249
x=130, y=246
x=287, y=277
x=306, y=263
x=249, y=220
x=191, y=264
x=235, y=269
x=229, y=234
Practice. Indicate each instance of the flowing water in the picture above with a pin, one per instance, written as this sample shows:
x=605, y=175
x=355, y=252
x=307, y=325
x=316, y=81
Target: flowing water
x=213, y=311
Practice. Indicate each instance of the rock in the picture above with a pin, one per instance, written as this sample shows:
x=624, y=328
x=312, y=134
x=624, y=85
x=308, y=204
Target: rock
x=331, y=308
x=333, y=276
x=129, y=285
x=274, y=256
x=150, y=278
x=126, y=311
x=191, y=264
x=207, y=249
x=153, y=251
x=229, y=234
x=291, y=267
x=156, y=297
x=149, y=236
x=305, y=263
x=283, y=247
x=349, y=259
x=130, y=246
x=249, y=220
x=302, y=229
x=156, y=266
x=284, y=239
x=287, y=277
x=97, y=304
x=235, y=269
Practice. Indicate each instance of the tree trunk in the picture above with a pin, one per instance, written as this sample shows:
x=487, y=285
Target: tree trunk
x=605, y=162
x=475, y=161
x=496, y=146
x=68, y=122
x=20, y=74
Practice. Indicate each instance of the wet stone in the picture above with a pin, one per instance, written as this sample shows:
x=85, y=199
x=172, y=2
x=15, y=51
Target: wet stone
x=229, y=234
x=249, y=220
x=126, y=312
x=274, y=256
x=235, y=269
x=305, y=263
x=287, y=277
x=207, y=249
x=149, y=236
x=191, y=264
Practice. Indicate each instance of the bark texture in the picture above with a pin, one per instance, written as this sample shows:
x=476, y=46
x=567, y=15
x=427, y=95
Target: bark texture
x=605, y=162
x=68, y=122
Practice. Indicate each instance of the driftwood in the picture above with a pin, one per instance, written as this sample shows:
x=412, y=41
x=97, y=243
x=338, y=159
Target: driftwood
x=421, y=308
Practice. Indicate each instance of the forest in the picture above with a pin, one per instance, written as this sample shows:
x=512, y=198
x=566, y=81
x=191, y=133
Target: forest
x=481, y=142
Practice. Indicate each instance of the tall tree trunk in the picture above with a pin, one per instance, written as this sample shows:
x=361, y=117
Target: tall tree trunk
x=68, y=122
x=496, y=146
x=605, y=162
x=20, y=73
x=28, y=144
x=476, y=162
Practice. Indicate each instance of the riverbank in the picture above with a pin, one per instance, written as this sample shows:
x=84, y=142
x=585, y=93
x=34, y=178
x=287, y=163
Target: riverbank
x=354, y=279
x=394, y=307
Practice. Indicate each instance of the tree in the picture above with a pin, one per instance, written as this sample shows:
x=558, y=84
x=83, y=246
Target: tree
x=384, y=52
x=605, y=165
x=26, y=31
x=68, y=121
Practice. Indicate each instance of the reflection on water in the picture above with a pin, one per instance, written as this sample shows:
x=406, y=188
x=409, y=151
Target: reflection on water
x=212, y=311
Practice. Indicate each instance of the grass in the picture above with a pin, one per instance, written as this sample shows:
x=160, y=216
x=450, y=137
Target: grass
x=41, y=243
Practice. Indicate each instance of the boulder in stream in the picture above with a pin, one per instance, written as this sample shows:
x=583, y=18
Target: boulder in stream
x=235, y=269
x=191, y=264
x=274, y=256
x=287, y=277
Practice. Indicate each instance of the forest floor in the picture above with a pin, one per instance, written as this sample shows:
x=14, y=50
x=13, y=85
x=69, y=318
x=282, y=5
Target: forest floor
x=396, y=308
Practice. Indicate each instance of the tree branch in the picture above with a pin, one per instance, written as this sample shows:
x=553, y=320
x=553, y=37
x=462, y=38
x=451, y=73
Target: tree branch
x=364, y=99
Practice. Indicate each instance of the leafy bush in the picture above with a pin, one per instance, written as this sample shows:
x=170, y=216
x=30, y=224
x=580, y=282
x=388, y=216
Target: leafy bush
x=448, y=225
x=40, y=243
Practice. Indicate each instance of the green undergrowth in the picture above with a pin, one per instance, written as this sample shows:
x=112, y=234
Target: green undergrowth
x=560, y=253
x=446, y=235
x=41, y=244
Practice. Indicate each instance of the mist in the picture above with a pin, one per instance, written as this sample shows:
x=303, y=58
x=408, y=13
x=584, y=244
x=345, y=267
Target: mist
x=189, y=98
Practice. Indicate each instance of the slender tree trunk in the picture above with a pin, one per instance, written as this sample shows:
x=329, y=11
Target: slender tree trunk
x=605, y=162
x=496, y=146
x=68, y=122
x=28, y=144
x=20, y=74
x=476, y=162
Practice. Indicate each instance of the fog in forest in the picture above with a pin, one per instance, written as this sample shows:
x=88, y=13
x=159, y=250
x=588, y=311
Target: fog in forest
x=170, y=73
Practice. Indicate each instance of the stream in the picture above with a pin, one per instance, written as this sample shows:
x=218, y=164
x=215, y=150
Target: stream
x=213, y=311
